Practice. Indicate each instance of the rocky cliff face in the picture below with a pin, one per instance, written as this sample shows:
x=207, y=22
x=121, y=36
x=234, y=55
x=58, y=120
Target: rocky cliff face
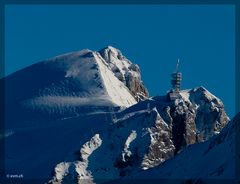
x=125, y=71
x=212, y=161
x=194, y=118
x=150, y=132
x=135, y=142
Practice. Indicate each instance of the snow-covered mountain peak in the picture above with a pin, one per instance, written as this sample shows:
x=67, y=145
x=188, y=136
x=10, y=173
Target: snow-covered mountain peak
x=207, y=110
x=75, y=83
x=125, y=71
x=110, y=52
x=199, y=95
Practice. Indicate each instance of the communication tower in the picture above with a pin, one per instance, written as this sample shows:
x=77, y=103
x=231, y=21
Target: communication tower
x=176, y=83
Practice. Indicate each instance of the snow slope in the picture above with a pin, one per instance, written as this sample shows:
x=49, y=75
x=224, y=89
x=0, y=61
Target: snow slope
x=86, y=71
x=68, y=85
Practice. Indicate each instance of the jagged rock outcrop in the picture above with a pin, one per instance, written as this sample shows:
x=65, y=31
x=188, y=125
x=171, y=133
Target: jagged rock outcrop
x=196, y=117
x=212, y=161
x=76, y=172
x=149, y=129
x=161, y=145
x=138, y=142
x=125, y=71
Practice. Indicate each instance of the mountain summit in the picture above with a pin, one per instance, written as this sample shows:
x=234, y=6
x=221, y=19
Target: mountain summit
x=74, y=83
x=86, y=116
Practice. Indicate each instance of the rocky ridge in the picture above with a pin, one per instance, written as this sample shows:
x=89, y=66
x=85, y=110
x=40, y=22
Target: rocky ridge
x=153, y=131
x=125, y=71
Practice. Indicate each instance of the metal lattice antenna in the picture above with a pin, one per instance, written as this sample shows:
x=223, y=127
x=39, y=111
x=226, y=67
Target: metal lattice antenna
x=176, y=83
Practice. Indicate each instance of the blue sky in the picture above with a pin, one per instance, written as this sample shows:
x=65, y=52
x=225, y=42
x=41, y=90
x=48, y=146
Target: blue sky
x=153, y=36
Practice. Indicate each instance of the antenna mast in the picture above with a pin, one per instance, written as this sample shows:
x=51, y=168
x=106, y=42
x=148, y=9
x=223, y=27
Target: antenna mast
x=176, y=83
